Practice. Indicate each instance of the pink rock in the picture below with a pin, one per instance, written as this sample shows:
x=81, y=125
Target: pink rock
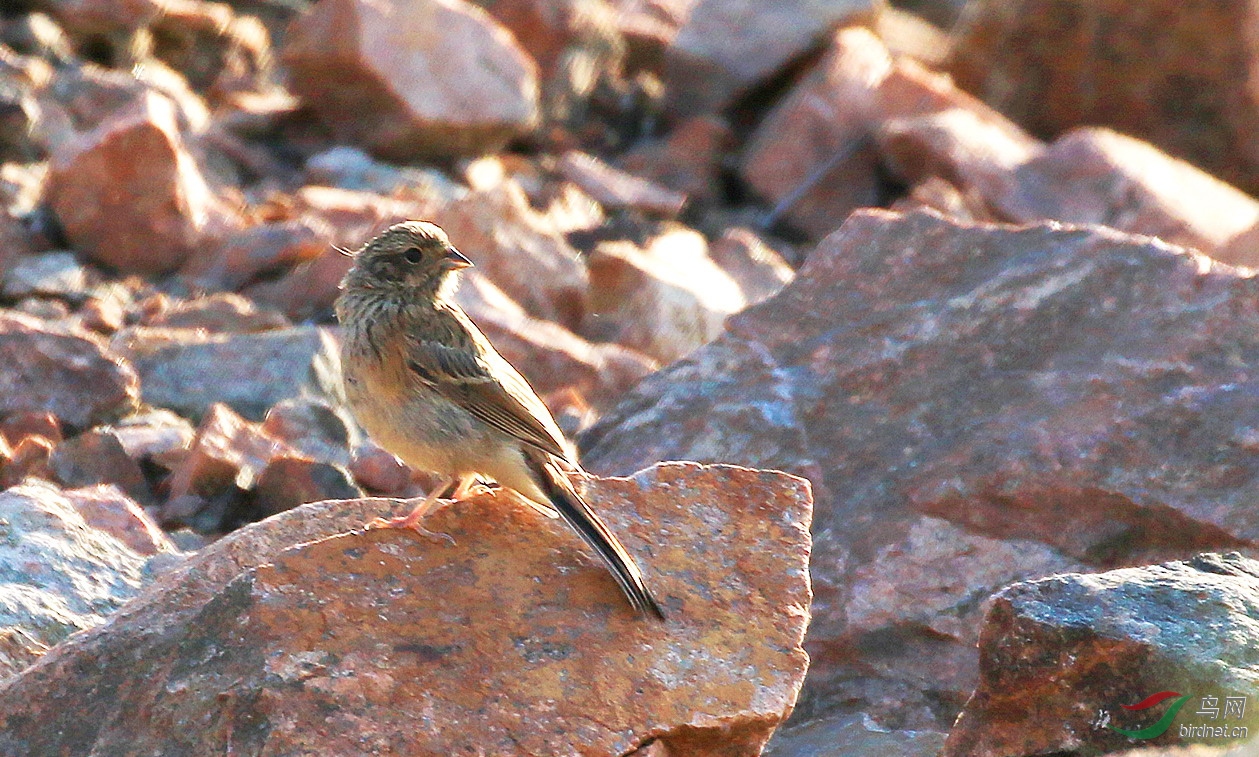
x=98, y=457
x=617, y=190
x=227, y=451
x=379, y=471
x=1189, y=94
x=664, y=299
x=687, y=159
x=243, y=256
x=221, y=312
x=108, y=509
x=756, y=267
x=1057, y=394
x=128, y=193
x=71, y=374
x=726, y=47
x=412, y=78
x=289, y=481
x=520, y=250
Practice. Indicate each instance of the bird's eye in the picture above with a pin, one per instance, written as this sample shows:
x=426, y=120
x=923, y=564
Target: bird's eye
x=412, y=255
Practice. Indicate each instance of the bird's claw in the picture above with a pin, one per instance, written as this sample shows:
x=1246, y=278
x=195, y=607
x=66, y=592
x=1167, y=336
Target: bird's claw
x=405, y=522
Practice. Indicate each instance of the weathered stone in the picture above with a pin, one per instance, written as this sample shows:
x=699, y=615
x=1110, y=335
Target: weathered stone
x=257, y=251
x=108, y=509
x=30, y=458
x=228, y=451
x=97, y=457
x=756, y=267
x=1186, y=627
x=350, y=168
x=60, y=575
x=52, y=274
x=128, y=193
x=1056, y=64
x=289, y=481
x=664, y=300
x=156, y=436
x=1111, y=373
x=219, y=313
x=379, y=471
x=851, y=736
x=727, y=47
x=403, y=635
x=617, y=190
x=71, y=374
x=520, y=251
x=412, y=78
x=17, y=426
x=314, y=428
x=813, y=156
x=687, y=159
x=188, y=370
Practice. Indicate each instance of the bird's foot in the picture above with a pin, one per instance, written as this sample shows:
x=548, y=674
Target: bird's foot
x=413, y=524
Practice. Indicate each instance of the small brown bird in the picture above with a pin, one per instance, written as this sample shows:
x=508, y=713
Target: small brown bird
x=427, y=385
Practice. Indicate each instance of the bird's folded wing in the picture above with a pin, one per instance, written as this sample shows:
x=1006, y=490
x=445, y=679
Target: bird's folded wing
x=499, y=397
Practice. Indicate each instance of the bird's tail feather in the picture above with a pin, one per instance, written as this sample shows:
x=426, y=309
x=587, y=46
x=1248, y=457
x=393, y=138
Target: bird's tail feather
x=565, y=499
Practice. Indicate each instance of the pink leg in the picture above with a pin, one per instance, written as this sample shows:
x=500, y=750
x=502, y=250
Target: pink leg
x=413, y=518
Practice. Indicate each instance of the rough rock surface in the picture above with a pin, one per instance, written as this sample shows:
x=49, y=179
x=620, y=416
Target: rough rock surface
x=1156, y=70
x=400, y=635
x=521, y=251
x=434, y=77
x=726, y=47
x=615, y=189
x=60, y=574
x=664, y=299
x=906, y=350
x=129, y=194
x=1112, y=639
x=71, y=374
x=813, y=155
x=187, y=370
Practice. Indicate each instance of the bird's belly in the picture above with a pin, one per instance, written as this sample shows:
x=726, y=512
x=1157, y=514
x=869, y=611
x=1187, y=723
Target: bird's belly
x=421, y=427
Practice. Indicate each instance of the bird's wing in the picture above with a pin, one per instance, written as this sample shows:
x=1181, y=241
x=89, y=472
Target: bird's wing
x=498, y=396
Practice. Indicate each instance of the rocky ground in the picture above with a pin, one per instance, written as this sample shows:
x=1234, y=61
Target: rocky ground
x=945, y=307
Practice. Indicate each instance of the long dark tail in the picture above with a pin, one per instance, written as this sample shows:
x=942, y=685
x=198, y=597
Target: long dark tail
x=574, y=510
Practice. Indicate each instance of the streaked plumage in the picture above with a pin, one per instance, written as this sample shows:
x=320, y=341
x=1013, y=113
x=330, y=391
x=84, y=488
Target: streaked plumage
x=429, y=387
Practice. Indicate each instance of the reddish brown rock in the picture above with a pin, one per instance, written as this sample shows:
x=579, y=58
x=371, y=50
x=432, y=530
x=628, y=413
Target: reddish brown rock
x=1113, y=639
x=154, y=436
x=687, y=159
x=550, y=356
x=108, y=509
x=19, y=425
x=814, y=155
x=726, y=47
x=97, y=457
x=416, y=78
x=188, y=370
x=664, y=299
x=1110, y=372
x=756, y=267
x=379, y=471
x=649, y=27
x=1160, y=71
x=617, y=190
x=313, y=427
x=403, y=635
x=70, y=374
x=519, y=250
x=102, y=316
x=220, y=313
x=228, y=451
x=1099, y=176
x=289, y=481
x=30, y=458
x=258, y=251
x=128, y=193
x=60, y=575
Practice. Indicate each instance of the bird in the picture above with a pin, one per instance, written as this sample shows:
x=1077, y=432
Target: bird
x=428, y=386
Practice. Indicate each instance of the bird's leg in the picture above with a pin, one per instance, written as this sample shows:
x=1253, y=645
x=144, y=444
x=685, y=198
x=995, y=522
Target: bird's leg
x=468, y=486
x=413, y=518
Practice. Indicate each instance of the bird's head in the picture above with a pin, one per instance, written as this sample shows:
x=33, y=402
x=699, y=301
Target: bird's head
x=414, y=255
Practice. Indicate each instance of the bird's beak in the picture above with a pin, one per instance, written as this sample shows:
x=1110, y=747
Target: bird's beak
x=455, y=260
